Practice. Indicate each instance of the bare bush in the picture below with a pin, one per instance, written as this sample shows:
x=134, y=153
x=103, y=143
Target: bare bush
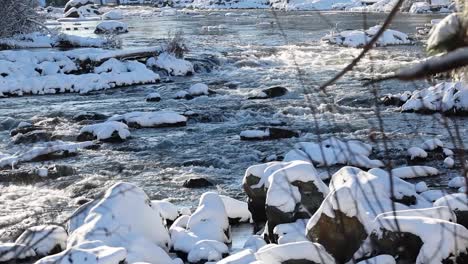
x=19, y=17
x=175, y=44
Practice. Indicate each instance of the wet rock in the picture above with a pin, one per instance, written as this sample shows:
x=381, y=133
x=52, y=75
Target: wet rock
x=32, y=137
x=390, y=100
x=34, y=175
x=87, y=136
x=197, y=183
x=256, y=198
x=23, y=130
x=269, y=133
x=271, y=92
x=89, y=116
x=404, y=245
x=341, y=235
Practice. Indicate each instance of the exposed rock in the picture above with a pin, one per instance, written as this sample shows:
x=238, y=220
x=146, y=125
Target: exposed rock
x=197, y=183
x=271, y=92
x=268, y=133
x=32, y=137
x=89, y=116
x=24, y=130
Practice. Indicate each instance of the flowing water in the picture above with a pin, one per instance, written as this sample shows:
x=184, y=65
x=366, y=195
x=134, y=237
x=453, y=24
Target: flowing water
x=252, y=53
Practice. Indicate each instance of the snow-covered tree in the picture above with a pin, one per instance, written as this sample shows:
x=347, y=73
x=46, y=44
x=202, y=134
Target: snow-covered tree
x=19, y=17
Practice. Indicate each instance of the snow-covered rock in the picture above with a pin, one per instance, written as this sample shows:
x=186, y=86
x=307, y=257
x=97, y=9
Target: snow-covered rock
x=113, y=15
x=302, y=252
x=236, y=210
x=243, y=4
x=107, y=131
x=416, y=236
x=420, y=8
x=445, y=97
x=268, y=133
x=444, y=32
x=356, y=197
x=254, y=243
x=291, y=232
x=206, y=231
x=124, y=218
x=457, y=182
x=41, y=40
x=198, y=89
x=94, y=252
x=153, y=97
x=168, y=211
x=449, y=162
x=421, y=187
x=415, y=152
x=334, y=151
x=359, y=38
x=45, y=240
x=15, y=252
x=151, y=119
x=111, y=27
x=432, y=144
x=433, y=195
x=171, y=64
x=456, y=202
x=414, y=172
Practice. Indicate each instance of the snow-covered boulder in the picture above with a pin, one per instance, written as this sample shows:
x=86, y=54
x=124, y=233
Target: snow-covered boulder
x=294, y=190
x=45, y=240
x=298, y=252
x=271, y=92
x=171, y=64
x=359, y=38
x=111, y=27
x=417, y=153
x=356, y=197
x=124, y=218
x=445, y=34
x=199, y=89
x=458, y=203
x=421, y=187
x=81, y=11
x=420, y=8
x=291, y=232
x=15, y=252
x=432, y=144
x=457, y=182
x=94, y=252
x=237, y=211
x=420, y=239
x=254, y=243
x=168, y=211
x=153, y=97
x=111, y=131
x=205, y=233
x=241, y=257
x=445, y=97
x=414, y=172
x=335, y=151
x=151, y=119
x=112, y=15
x=76, y=4
x=268, y=133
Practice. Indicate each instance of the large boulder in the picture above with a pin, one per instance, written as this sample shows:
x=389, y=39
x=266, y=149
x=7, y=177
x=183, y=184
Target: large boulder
x=458, y=203
x=344, y=220
x=420, y=239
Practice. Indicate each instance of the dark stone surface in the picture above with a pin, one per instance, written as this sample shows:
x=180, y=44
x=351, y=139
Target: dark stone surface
x=197, y=183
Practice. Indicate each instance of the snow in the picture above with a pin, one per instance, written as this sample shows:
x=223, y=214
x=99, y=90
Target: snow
x=43, y=239
x=255, y=133
x=415, y=152
x=168, y=11
x=457, y=182
x=254, y=243
x=420, y=7
x=443, y=97
x=291, y=232
x=433, y=195
x=153, y=96
x=456, y=202
x=280, y=191
x=167, y=210
x=432, y=144
x=105, y=130
x=245, y=256
x=113, y=15
x=124, y=217
x=334, y=151
x=359, y=38
x=414, y=172
x=150, y=119
x=206, y=231
x=198, y=89
x=42, y=172
x=210, y=250
x=43, y=149
x=449, y=162
x=353, y=192
x=12, y=252
x=438, y=212
x=41, y=40
x=315, y=5
x=381, y=259
x=243, y=4
x=107, y=27
x=447, y=152
x=379, y=6
x=445, y=30
x=421, y=187
x=173, y=65
x=236, y=209
x=432, y=250
x=94, y=252
x=277, y=254
x=22, y=77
